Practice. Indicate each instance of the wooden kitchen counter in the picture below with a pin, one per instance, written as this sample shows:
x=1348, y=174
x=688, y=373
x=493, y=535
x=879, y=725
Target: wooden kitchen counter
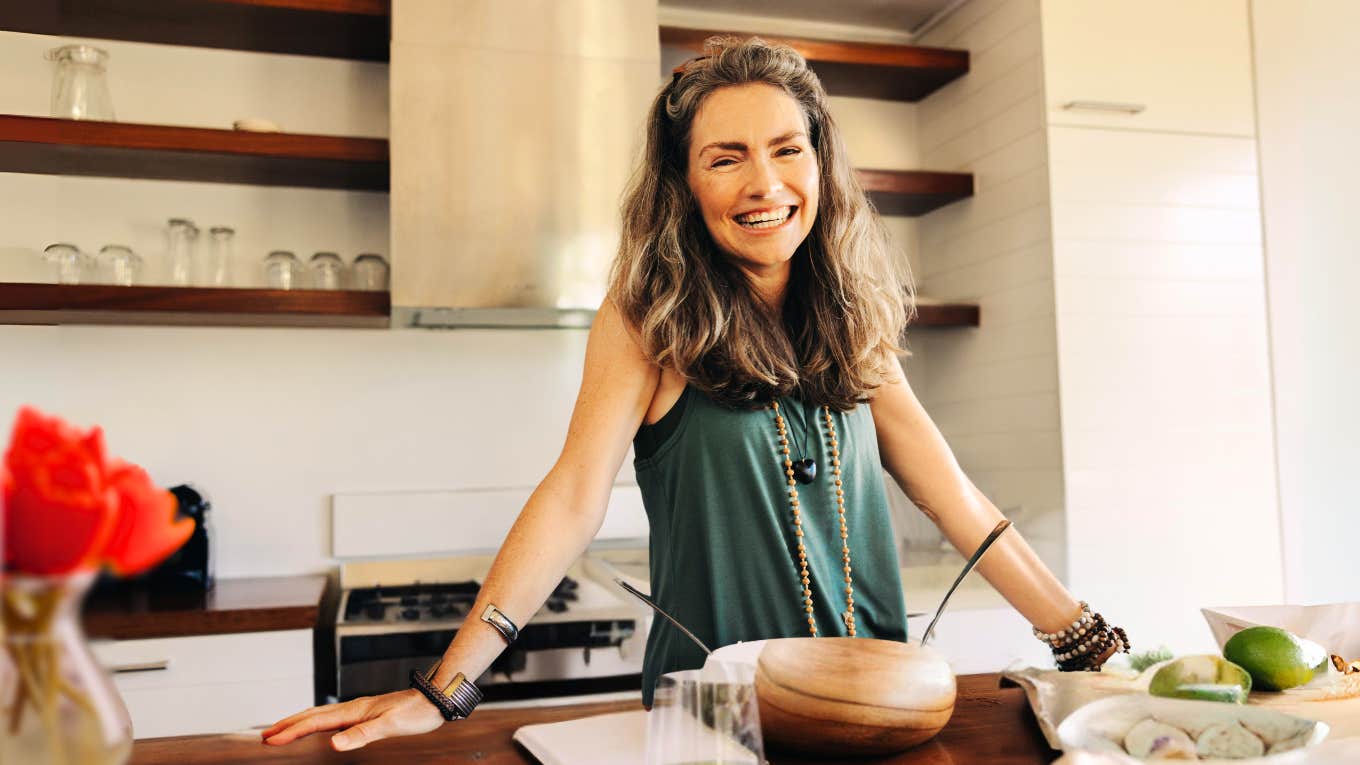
x=258, y=604
x=991, y=725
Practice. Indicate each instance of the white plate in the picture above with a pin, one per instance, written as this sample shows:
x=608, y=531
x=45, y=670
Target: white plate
x=1101, y=725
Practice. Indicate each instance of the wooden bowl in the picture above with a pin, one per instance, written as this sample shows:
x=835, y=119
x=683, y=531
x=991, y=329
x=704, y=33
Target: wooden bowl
x=851, y=696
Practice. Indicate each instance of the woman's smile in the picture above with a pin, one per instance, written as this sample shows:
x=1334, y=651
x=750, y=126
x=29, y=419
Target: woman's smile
x=763, y=221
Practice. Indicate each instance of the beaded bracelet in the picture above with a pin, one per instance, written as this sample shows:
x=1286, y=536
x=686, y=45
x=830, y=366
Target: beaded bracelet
x=1086, y=643
x=1083, y=619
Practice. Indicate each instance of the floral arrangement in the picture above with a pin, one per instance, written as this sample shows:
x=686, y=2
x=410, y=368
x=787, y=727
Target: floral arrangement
x=69, y=509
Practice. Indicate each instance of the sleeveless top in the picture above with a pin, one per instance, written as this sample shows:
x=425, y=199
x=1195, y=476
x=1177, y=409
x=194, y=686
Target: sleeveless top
x=724, y=555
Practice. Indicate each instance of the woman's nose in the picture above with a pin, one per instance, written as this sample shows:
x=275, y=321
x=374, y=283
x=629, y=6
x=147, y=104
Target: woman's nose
x=763, y=178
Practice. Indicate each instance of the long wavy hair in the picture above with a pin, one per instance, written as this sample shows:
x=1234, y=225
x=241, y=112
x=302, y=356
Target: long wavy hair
x=849, y=295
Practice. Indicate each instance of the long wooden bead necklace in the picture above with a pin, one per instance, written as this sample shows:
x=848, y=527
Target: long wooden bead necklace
x=806, y=474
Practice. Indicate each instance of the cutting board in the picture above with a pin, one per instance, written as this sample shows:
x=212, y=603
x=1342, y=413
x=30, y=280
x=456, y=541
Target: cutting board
x=613, y=739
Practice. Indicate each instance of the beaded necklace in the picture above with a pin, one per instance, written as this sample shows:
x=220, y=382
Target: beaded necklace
x=781, y=427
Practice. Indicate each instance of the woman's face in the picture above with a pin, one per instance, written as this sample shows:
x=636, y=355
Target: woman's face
x=754, y=174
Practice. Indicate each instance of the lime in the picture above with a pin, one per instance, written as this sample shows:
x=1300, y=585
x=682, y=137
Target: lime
x=1207, y=678
x=1277, y=659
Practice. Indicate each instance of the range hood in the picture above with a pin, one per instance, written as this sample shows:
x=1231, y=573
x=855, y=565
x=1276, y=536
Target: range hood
x=515, y=126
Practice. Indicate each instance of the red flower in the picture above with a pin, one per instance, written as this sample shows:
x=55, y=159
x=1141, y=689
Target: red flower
x=56, y=505
x=68, y=508
x=146, y=531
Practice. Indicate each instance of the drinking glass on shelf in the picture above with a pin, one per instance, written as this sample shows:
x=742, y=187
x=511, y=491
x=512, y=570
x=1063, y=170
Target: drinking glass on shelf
x=370, y=272
x=79, y=88
x=182, y=236
x=70, y=265
x=120, y=264
x=326, y=271
x=282, y=271
x=705, y=716
x=217, y=266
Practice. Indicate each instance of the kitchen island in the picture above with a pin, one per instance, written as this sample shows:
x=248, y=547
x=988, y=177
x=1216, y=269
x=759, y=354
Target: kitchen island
x=991, y=725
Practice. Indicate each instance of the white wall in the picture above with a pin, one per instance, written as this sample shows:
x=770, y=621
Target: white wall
x=1310, y=167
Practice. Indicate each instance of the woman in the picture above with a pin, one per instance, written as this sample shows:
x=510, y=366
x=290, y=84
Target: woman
x=747, y=350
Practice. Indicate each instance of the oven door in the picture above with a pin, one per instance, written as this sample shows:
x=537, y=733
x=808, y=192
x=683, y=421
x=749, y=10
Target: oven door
x=557, y=659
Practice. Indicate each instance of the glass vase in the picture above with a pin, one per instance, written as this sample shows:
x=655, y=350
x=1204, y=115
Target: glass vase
x=58, y=706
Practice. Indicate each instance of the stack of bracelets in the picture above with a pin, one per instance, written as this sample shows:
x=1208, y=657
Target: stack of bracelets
x=1085, y=644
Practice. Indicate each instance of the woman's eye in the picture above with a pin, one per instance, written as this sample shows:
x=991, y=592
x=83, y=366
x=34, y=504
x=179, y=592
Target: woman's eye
x=790, y=151
x=722, y=163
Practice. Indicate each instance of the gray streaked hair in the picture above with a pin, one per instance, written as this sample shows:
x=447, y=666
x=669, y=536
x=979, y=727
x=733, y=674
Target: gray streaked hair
x=849, y=295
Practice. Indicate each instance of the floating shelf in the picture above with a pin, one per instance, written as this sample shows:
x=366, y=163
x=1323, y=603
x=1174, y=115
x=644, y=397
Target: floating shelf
x=122, y=150
x=125, y=150
x=352, y=29
x=201, y=306
x=914, y=192
x=946, y=315
x=864, y=70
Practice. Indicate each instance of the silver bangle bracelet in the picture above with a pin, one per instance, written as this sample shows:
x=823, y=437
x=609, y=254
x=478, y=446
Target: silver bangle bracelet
x=493, y=616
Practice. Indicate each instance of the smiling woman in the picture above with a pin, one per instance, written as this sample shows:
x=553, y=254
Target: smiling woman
x=746, y=352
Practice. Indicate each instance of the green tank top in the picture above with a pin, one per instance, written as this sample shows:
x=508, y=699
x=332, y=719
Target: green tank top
x=724, y=557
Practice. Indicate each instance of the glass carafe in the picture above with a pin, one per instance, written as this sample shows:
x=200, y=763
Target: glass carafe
x=59, y=706
x=80, y=90
x=182, y=239
x=218, y=265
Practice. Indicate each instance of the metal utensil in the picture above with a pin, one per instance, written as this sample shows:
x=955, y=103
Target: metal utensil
x=967, y=567
x=634, y=592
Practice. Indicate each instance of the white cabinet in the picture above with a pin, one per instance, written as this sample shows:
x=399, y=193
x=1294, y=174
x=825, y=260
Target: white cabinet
x=210, y=683
x=1187, y=64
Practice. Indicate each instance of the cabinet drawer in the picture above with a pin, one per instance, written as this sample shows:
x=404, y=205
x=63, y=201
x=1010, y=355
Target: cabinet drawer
x=220, y=708
x=207, y=659
x=1188, y=65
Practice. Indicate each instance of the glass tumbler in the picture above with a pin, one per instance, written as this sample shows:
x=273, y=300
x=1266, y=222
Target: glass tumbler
x=120, y=264
x=705, y=716
x=79, y=88
x=326, y=271
x=216, y=271
x=370, y=272
x=70, y=264
x=282, y=271
x=183, y=239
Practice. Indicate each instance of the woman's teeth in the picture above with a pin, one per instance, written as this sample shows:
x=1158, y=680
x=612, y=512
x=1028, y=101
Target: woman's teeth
x=766, y=219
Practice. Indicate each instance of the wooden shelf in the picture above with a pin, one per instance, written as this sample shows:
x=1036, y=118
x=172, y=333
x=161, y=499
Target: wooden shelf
x=196, y=306
x=946, y=315
x=914, y=192
x=125, y=150
x=122, y=150
x=864, y=70
x=352, y=29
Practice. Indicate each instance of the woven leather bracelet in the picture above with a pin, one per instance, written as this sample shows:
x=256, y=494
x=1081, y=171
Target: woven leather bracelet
x=456, y=701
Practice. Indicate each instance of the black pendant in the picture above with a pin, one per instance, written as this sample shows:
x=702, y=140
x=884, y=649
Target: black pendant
x=804, y=471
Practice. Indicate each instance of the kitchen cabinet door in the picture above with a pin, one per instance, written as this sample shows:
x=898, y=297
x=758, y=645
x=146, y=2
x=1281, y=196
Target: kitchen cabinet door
x=1186, y=64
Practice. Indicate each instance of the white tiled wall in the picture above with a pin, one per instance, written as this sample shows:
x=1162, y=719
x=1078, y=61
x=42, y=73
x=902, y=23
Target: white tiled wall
x=993, y=391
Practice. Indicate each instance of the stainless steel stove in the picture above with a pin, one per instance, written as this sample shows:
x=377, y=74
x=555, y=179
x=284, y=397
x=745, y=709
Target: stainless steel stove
x=411, y=566
x=586, y=639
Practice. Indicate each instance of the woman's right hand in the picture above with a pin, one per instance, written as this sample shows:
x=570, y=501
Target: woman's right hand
x=364, y=720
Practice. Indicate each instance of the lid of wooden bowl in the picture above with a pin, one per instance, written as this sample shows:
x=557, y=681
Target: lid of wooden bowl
x=883, y=673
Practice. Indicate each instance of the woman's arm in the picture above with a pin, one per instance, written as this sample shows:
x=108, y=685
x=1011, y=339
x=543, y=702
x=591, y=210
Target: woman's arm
x=559, y=520
x=916, y=455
